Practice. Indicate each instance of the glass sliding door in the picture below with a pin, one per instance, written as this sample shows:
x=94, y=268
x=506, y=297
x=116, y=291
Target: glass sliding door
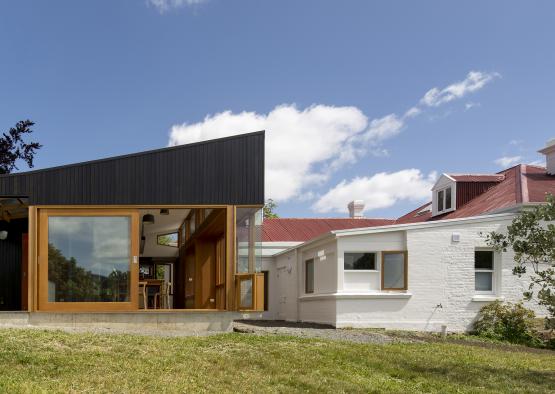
x=88, y=260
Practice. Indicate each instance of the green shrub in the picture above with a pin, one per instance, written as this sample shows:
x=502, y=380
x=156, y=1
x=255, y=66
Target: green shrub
x=507, y=322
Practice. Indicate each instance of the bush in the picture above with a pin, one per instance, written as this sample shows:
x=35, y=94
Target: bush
x=507, y=322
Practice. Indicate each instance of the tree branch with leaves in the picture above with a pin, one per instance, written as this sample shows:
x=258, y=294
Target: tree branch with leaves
x=13, y=147
x=531, y=236
x=269, y=209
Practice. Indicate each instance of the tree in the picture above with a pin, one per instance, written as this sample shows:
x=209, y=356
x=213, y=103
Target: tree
x=531, y=236
x=12, y=147
x=269, y=209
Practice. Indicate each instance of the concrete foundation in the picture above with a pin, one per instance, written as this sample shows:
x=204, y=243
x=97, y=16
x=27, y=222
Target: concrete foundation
x=178, y=322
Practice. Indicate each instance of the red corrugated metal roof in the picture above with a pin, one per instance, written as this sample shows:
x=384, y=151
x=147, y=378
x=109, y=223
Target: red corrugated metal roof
x=516, y=185
x=477, y=177
x=300, y=230
x=521, y=184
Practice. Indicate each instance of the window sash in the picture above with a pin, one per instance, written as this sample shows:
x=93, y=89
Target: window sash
x=448, y=198
x=353, y=267
x=309, y=276
x=484, y=286
x=440, y=200
x=404, y=273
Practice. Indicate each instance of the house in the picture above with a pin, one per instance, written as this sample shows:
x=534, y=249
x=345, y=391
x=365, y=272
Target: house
x=157, y=239
x=430, y=269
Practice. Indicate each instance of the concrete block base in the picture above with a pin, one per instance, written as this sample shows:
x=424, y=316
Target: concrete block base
x=142, y=322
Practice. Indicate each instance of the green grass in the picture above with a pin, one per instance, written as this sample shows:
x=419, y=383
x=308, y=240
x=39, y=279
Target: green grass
x=38, y=361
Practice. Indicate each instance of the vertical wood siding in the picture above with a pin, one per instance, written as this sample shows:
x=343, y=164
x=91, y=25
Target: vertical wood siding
x=223, y=171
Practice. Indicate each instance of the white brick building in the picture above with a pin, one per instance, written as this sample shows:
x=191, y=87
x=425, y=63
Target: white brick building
x=428, y=270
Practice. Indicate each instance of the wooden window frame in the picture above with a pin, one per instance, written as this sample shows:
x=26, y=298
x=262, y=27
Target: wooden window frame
x=44, y=304
x=406, y=269
x=170, y=233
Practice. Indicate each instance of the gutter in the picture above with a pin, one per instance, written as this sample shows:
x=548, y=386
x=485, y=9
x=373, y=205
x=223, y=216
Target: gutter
x=399, y=227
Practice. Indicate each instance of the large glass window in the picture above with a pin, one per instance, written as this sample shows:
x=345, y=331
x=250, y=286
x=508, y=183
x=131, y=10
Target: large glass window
x=483, y=267
x=394, y=271
x=248, y=232
x=359, y=261
x=89, y=258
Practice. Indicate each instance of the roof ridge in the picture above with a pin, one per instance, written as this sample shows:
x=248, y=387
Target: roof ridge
x=473, y=173
x=321, y=218
x=135, y=154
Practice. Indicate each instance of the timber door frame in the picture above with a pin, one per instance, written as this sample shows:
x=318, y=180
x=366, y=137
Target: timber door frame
x=44, y=304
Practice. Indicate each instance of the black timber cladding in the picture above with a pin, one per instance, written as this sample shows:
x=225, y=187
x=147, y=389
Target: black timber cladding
x=222, y=171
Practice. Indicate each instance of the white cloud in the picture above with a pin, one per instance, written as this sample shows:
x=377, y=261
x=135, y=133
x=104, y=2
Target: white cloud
x=383, y=128
x=381, y=190
x=475, y=80
x=304, y=147
x=165, y=5
x=299, y=143
x=507, y=161
x=470, y=105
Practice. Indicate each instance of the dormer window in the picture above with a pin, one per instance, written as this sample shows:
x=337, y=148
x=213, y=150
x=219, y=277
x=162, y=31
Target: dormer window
x=444, y=195
x=444, y=200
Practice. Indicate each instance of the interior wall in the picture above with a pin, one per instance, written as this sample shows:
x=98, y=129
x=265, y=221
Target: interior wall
x=163, y=224
x=11, y=252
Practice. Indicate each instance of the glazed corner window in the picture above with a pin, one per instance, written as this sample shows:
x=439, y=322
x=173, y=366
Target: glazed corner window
x=394, y=271
x=444, y=200
x=483, y=271
x=359, y=261
x=248, y=232
x=309, y=276
x=167, y=239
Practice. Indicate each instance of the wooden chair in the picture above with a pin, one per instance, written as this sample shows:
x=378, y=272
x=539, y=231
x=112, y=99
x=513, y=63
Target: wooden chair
x=142, y=295
x=163, y=297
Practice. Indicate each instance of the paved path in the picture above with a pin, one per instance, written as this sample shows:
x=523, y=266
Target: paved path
x=308, y=330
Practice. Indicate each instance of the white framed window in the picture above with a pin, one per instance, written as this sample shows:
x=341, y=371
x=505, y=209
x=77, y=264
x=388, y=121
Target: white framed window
x=359, y=261
x=484, y=272
x=444, y=200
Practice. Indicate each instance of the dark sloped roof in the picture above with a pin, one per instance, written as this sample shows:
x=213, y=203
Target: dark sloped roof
x=221, y=171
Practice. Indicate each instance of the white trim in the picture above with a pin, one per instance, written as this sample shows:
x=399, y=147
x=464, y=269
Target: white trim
x=487, y=298
x=353, y=296
x=417, y=226
x=399, y=227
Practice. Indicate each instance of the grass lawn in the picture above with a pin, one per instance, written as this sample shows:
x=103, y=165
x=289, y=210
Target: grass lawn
x=34, y=360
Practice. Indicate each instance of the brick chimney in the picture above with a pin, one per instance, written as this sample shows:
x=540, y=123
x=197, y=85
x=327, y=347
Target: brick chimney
x=355, y=209
x=549, y=152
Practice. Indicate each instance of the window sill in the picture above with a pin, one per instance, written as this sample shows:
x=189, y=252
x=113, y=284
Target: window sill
x=349, y=271
x=357, y=295
x=487, y=298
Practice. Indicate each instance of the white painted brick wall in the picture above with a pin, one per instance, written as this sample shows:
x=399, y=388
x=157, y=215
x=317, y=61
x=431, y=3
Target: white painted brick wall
x=441, y=272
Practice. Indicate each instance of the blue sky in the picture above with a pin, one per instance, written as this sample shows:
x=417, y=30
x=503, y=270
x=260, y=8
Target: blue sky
x=331, y=81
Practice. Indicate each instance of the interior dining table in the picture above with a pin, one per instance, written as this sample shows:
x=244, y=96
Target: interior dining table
x=149, y=284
